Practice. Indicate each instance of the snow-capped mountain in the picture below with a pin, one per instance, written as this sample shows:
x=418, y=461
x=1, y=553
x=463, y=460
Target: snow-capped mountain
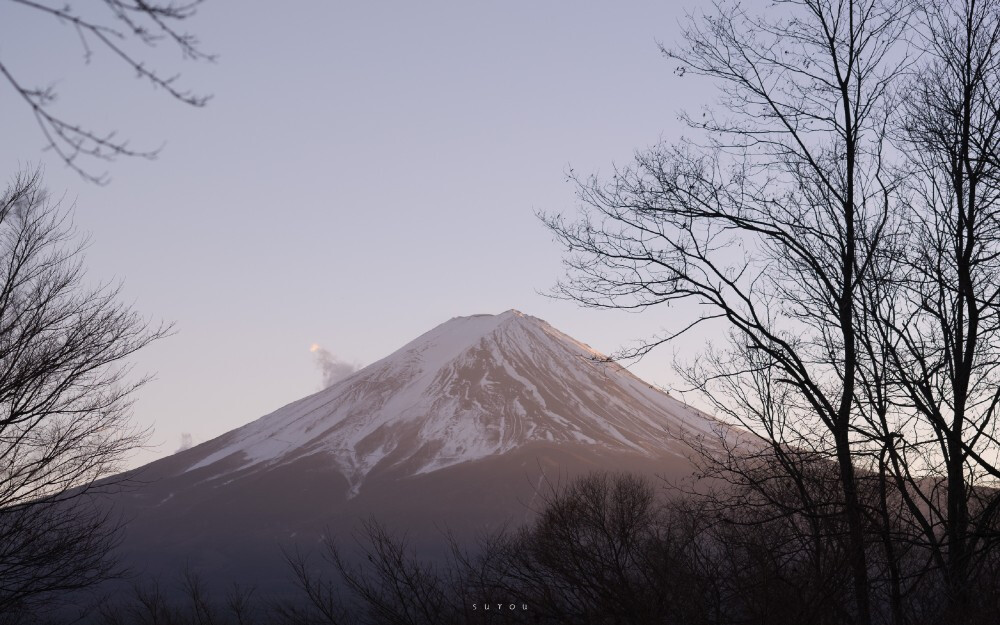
x=470, y=388
x=462, y=429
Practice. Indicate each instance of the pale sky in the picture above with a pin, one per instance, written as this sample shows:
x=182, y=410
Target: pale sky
x=364, y=172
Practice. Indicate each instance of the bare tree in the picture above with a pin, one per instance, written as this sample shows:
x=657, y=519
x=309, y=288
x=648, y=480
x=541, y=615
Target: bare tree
x=150, y=604
x=65, y=401
x=390, y=585
x=115, y=27
x=770, y=227
x=938, y=313
x=596, y=553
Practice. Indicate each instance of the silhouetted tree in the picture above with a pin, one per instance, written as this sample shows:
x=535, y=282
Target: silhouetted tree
x=385, y=582
x=65, y=401
x=593, y=554
x=151, y=605
x=769, y=228
x=938, y=315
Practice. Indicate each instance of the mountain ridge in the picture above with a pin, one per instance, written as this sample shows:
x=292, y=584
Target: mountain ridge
x=469, y=388
x=462, y=428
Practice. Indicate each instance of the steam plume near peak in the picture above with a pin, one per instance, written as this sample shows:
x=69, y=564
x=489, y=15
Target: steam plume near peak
x=333, y=369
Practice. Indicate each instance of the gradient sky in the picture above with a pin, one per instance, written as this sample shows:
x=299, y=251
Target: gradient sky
x=364, y=172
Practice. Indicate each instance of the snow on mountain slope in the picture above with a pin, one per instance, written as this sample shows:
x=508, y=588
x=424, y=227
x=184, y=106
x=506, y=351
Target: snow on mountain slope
x=470, y=388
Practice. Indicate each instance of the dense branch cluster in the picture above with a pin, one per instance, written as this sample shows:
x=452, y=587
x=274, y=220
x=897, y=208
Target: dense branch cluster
x=838, y=218
x=65, y=401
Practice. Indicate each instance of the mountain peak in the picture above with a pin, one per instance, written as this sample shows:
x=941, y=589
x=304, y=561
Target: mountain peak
x=472, y=387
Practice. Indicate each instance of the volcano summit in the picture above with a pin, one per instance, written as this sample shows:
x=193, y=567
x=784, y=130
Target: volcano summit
x=459, y=428
x=471, y=388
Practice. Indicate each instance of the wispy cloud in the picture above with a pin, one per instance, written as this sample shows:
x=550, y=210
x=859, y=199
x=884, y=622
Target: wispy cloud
x=333, y=369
